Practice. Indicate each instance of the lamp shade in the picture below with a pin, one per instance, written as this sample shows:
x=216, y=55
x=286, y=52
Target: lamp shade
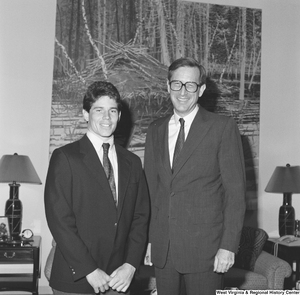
x=285, y=179
x=17, y=168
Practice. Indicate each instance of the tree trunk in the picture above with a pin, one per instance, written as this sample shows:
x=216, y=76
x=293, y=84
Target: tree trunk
x=141, y=22
x=104, y=27
x=60, y=65
x=91, y=24
x=77, y=38
x=70, y=31
x=132, y=20
x=243, y=55
x=230, y=53
x=254, y=70
x=206, y=50
x=117, y=21
x=180, y=29
x=100, y=34
x=165, y=59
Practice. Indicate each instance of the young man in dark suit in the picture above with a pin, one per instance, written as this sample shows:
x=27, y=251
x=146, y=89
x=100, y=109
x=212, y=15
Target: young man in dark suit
x=97, y=204
x=196, y=177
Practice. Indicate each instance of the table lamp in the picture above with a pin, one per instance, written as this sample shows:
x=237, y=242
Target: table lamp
x=13, y=170
x=286, y=180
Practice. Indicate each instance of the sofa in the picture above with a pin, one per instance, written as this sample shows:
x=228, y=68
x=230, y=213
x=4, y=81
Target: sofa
x=268, y=274
x=254, y=268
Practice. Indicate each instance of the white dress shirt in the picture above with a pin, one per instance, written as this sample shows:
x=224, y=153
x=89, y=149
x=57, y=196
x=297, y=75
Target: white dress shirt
x=174, y=127
x=112, y=154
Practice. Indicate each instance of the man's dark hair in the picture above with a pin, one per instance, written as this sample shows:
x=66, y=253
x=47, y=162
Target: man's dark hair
x=187, y=62
x=99, y=89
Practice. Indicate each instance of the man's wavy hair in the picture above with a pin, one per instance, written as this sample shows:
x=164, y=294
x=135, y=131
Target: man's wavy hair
x=99, y=89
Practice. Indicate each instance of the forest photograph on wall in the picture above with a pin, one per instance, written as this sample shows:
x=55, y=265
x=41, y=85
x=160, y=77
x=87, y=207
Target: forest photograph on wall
x=132, y=43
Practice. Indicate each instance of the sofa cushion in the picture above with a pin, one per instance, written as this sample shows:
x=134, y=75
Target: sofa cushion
x=244, y=279
x=251, y=244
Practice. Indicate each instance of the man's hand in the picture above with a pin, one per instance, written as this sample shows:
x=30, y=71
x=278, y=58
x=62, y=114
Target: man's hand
x=224, y=260
x=99, y=280
x=122, y=277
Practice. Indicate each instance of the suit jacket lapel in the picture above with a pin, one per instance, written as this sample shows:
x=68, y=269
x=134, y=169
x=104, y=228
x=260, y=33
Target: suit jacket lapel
x=124, y=168
x=198, y=130
x=163, y=144
x=90, y=157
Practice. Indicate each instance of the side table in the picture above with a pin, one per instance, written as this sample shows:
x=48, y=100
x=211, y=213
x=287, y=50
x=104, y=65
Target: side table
x=26, y=252
x=288, y=251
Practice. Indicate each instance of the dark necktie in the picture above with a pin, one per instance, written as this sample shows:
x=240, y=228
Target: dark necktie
x=109, y=171
x=179, y=142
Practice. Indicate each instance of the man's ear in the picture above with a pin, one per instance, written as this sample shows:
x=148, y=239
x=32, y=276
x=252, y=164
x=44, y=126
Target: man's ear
x=168, y=85
x=86, y=115
x=202, y=88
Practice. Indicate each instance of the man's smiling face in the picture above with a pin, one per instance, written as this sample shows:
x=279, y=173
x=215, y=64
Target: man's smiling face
x=183, y=101
x=103, y=117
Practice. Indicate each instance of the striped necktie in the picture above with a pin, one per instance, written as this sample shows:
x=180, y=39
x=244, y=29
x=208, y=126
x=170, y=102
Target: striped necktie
x=109, y=171
x=179, y=143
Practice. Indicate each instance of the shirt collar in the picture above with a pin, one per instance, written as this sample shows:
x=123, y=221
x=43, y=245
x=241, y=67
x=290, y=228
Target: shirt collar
x=188, y=119
x=97, y=141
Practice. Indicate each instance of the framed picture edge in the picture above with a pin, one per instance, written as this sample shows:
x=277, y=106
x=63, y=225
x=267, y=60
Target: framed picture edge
x=4, y=228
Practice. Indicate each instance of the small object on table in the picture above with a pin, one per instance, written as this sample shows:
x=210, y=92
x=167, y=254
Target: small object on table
x=27, y=234
x=297, y=228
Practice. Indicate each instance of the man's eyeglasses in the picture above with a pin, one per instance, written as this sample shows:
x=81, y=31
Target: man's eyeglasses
x=191, y=87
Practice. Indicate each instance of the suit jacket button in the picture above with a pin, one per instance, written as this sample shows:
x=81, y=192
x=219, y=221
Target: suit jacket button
x=115, y=224
x=172, y=194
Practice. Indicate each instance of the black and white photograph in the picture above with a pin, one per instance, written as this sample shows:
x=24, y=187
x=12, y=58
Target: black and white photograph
x=165, y=138
x=4, y=229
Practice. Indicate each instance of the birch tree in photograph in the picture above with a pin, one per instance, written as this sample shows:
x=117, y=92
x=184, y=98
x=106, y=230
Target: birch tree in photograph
x=230, y=53
x=104, y=31
x=77, y=36
x=180, y=29
x=99, y=27
x=255, y=44
x=243, y=54
x=206, y=37
x=165, y=59
x=71, y=30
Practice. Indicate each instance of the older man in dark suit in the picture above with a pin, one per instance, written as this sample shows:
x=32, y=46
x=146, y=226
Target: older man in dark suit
x=97, y=205
x=195, y=172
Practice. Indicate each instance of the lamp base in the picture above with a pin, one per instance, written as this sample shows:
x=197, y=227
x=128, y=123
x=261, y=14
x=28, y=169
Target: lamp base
x=286, y=216
x=13, y=211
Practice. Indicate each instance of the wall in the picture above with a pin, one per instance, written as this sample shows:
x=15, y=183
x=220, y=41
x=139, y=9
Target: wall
x=26, y=61
x=280, y=108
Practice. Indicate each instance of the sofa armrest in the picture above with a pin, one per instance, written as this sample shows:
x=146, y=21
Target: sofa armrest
x=274, y=269
x=49, y=261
